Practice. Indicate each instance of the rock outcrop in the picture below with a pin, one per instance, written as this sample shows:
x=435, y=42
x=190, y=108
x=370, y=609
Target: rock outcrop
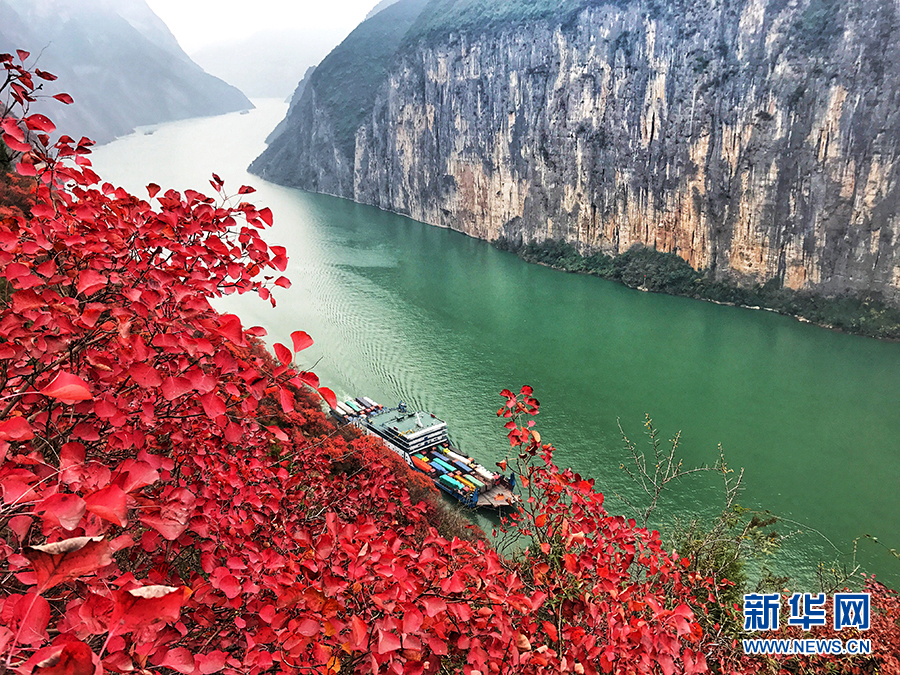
x=758, y=139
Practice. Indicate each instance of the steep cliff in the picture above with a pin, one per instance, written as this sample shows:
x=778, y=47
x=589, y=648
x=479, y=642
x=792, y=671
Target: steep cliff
x=757, y=139
x=119, y=62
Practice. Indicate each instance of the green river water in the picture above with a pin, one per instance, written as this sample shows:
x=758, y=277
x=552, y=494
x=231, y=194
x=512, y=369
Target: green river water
x=403, y=310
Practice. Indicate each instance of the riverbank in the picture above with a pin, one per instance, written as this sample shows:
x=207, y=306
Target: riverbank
x=647, y=269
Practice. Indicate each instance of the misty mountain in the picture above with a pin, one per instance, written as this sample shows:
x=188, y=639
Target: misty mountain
x=118, y=60
x=384, y=4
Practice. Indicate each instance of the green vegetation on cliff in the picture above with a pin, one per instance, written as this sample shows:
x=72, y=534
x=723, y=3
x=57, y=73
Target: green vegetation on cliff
x=348, y=79
x=446, y=16
x=651, y=270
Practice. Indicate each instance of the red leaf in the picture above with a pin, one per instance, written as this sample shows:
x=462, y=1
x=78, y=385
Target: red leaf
x=666, y=664
x=144, y=375
x=67, y=388
x=266, y=215
x=279, y=434
x=694, y=664
x=307, y=378
x=23, y=55
x=153, y=190
x=65, y=509
x=280, y=260
x=173, y=387
x=11, y=127
x=179, y=659
x=551, y=631
x=682, y=617
x=283, y=282
x=33, y=624
x=230, y=327
x=283, y=353
x=212, y=662
x=412, y=621
x=328, y=395
x=359, y=634
x=434, y=606
x=24, y=169
x=68, y=658
x=301, y=340
x=140, y=607
x=44, y=75
x=213, y=405
x=17, y=146
x=91, y=281
x=64, y=98
x=136, y=474
x=109, y=504
x=172, y=517
x=453, y=584
x=309, y=627
x=287, y=401
x=67, y=559
x=20, y=526
x=387, y=642
x=246, y=190
x=16, y=429
x=229, y=585
x=38, y=122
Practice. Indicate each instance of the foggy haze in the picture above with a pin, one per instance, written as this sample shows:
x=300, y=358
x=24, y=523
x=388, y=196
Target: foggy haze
x=266, y=50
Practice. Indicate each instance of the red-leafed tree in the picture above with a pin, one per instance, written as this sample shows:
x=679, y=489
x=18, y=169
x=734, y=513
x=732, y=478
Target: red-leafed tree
x=174, y=500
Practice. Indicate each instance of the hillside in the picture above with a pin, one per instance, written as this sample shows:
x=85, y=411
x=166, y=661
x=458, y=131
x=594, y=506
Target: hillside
x=755, y=140
x=119, y=62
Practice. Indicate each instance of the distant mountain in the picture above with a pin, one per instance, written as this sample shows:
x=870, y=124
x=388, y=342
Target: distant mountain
x=270, y=63
x=119, y=62
x=384, y=4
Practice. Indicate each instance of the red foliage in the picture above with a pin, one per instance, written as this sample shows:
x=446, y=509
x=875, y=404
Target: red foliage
x=174, y=499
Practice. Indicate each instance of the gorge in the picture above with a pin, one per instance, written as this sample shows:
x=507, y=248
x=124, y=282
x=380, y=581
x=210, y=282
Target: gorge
x=755, y=139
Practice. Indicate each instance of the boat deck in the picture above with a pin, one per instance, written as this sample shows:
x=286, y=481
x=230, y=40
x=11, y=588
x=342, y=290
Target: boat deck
x=406, y=423
x=498, y=497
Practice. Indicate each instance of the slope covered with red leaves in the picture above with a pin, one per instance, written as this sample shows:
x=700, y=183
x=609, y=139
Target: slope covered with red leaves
x=174, y=500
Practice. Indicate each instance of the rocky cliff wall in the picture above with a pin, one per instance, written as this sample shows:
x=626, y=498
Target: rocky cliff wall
x=755, y=138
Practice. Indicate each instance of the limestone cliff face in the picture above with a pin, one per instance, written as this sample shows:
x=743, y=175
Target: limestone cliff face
x=756, y=138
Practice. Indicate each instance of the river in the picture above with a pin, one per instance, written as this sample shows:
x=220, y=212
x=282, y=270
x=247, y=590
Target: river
x=403, y=310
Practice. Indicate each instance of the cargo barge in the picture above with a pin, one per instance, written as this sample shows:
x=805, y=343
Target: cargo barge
x=422, y=441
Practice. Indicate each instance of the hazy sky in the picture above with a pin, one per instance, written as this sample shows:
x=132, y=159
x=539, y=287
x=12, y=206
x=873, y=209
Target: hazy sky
x=198, y=23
